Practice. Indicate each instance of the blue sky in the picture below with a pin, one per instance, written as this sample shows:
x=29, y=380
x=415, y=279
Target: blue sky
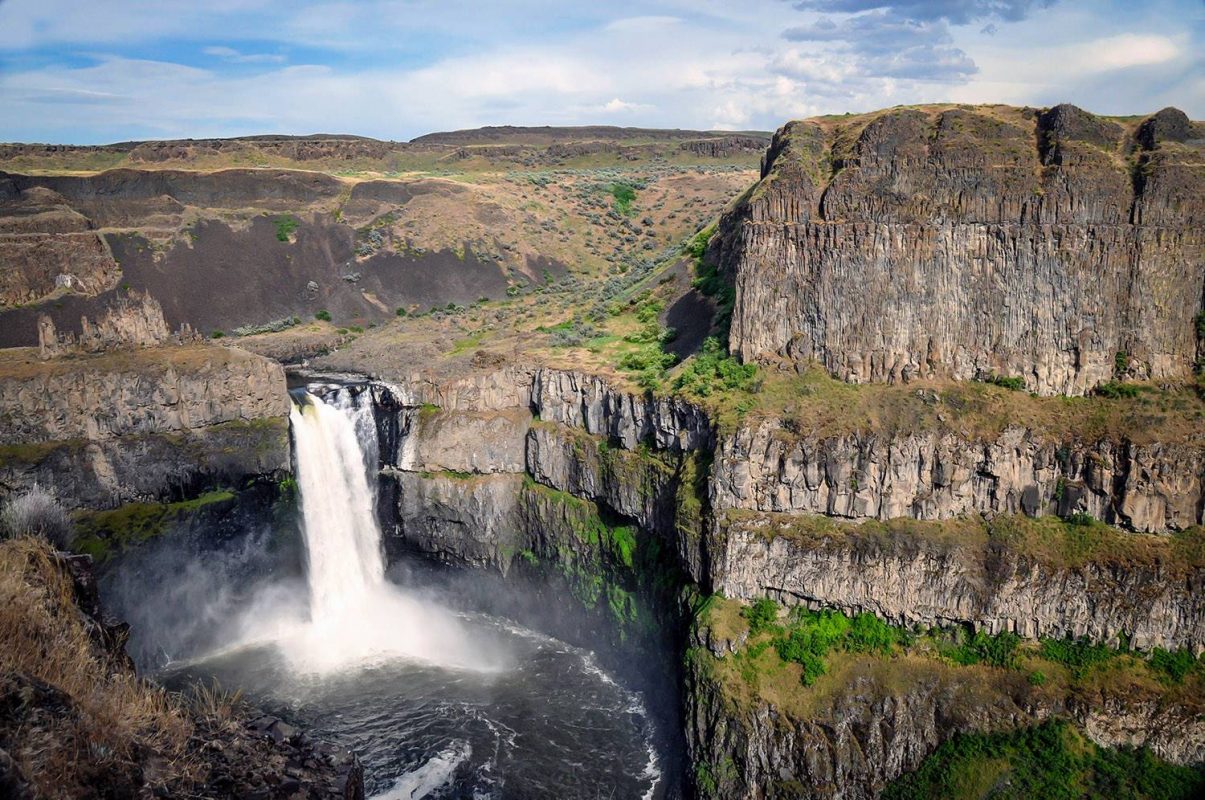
x=110, y=70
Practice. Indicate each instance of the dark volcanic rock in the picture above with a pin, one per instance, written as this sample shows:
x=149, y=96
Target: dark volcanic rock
x=960, y=243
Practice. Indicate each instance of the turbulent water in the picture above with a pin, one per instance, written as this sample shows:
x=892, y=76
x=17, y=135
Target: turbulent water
x=438, y=704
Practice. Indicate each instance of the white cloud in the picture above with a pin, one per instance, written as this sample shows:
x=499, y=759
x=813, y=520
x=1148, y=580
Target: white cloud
x=689, y=64
x=234, y=56
x=615, y=105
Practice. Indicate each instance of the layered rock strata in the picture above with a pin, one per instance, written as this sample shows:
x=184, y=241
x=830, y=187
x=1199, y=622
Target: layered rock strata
x=147, y=424
x=962, y=243
x=1149, y=487
x=972, y=573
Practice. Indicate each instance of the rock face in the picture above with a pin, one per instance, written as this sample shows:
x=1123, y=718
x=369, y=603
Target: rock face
x=872, y=730
x=114, y=427
x=1148, y=487
x=917, y=578
x=947, y=242
x=508, y=467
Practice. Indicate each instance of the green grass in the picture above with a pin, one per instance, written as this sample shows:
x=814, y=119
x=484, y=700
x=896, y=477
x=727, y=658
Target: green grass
x=807, y=637
x=101, y=533
x=1052, y=761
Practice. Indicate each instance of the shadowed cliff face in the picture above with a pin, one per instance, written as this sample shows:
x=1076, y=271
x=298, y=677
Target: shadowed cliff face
x=946, y=242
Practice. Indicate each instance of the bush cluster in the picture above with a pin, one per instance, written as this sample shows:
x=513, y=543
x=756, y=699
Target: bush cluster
x=713, y=370
x=36, y=513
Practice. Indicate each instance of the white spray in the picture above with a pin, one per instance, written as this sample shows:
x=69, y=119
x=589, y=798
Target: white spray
x=356, y=616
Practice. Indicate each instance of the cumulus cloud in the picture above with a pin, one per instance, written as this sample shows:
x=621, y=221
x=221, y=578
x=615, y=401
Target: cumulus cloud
x=887, y=45
x=906, y=39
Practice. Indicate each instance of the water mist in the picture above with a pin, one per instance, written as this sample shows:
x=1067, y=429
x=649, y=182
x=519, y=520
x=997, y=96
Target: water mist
x=355, y=617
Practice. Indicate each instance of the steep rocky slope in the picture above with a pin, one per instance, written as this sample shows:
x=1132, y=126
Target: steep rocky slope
x=75, y=721
x=514, y=466
x=1054, y=246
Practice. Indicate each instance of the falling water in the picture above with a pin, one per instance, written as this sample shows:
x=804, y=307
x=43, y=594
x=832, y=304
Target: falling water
x=342, y=538
x=355, y=617
x=438, y=704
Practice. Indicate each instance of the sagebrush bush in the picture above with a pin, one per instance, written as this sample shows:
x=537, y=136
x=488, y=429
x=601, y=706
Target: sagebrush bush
x=36, y=513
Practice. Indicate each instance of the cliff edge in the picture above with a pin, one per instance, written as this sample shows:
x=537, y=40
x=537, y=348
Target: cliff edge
x=967, y=242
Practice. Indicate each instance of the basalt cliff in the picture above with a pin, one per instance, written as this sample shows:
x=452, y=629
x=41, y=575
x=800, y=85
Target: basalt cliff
x=949, y=481
x=965, y=242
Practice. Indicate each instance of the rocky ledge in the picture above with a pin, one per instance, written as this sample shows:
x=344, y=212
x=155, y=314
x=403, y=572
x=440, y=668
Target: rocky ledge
x=146, y=424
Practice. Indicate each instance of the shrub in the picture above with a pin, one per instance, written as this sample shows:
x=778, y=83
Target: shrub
x=36, y=513
x=996, y=651
x=714, y=370
x=624, y=194
x=697, y=246
x=285, y=225
x=761, y=615
x=1011, y=382
x=1121, y=362
x=869, y=634
x=323, y=315
x=1115, y=390
x=216, y=335
x=807, y=644
x=1173, y=666
x=1079, y=655
x=401, y=312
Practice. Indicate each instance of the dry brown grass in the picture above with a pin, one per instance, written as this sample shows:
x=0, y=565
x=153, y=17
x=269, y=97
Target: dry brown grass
x=114, y=722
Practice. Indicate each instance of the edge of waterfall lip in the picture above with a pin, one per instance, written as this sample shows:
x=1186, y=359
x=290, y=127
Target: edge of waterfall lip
x=298, y=377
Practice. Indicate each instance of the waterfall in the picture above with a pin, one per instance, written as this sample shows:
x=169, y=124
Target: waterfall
x=342, y=537
x=356, y=616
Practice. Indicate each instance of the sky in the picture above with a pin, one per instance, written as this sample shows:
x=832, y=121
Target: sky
x=97, y=71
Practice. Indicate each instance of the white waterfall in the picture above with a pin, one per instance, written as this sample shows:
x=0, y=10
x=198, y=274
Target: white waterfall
x=342, y=538
x=355, y=616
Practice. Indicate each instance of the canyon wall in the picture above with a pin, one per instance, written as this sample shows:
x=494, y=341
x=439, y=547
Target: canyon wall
x=949, y=242
x=987, y=575
x=109, y=428
x=519, y=468
x=1149, y=487
x=965, y=532
x=883, y=720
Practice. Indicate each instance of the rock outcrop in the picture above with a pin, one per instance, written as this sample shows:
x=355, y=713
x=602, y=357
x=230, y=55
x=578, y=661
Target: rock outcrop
x=972, y=573
x=1151, y=487
x=873, y=728
x=144, y=424
x=962, y=243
